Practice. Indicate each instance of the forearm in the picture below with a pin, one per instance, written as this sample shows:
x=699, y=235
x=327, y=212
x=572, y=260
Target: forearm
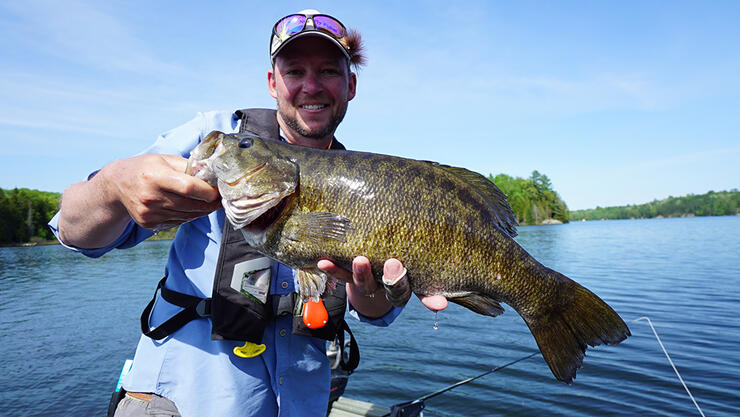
x=151, y=190
x=91, y=215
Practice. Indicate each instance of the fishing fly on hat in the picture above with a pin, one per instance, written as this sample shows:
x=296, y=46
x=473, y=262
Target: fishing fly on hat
x=311, y=22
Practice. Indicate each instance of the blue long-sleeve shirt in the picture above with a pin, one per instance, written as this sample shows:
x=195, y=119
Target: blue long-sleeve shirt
x=202, y=376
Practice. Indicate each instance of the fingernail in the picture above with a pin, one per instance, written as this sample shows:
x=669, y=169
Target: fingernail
x=392, y=269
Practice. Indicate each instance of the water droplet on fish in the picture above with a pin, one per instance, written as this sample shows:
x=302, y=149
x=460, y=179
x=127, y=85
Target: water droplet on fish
x=436, y=324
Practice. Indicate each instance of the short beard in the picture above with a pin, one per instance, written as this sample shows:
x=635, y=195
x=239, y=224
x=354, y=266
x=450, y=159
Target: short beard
x=328, y=130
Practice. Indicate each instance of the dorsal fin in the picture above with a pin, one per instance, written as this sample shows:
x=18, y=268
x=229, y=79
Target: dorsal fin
x=496, y=199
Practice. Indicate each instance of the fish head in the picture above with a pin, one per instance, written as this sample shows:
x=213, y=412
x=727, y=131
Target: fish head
x=251, y=177
x=203, y=155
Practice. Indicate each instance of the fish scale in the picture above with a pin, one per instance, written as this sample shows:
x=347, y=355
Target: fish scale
x=451, y=228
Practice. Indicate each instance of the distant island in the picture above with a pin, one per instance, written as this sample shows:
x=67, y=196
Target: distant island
x=721, y=203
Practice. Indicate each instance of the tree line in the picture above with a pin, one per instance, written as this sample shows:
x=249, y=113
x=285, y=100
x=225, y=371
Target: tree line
x=24, y=215
x=532, y=199
x=720, y=203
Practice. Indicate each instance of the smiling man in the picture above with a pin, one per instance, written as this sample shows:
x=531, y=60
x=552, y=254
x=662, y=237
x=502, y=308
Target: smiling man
x=312, y=91
x=219, y=294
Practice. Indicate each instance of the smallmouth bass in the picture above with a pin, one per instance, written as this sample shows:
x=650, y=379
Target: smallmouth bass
x=451, y=228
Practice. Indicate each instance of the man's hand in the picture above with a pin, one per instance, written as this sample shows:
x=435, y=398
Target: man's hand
x=361, y=283
x=156, y=192
x=153, y=190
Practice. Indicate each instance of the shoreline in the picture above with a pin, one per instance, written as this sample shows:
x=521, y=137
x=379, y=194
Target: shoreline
x=29, y=244
x=56, y=242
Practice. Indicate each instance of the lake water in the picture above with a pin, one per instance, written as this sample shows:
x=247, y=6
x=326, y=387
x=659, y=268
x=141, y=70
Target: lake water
x=67, y=324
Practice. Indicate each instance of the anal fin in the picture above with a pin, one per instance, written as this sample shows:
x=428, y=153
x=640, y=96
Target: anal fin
x=479, y=304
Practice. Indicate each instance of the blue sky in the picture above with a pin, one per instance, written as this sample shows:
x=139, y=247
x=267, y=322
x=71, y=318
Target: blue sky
x=616, y=102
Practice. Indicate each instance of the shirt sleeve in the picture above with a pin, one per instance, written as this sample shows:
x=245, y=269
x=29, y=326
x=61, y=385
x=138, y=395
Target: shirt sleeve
x=383, y=321
x=131, y=236
x=178, y=141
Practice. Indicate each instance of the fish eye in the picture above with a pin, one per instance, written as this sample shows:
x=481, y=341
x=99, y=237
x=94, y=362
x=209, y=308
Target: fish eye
x=246, y=142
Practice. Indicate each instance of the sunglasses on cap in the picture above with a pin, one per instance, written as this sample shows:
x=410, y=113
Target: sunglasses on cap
x=293, y=24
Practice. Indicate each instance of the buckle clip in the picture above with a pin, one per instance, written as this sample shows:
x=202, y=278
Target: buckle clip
x=203, y=308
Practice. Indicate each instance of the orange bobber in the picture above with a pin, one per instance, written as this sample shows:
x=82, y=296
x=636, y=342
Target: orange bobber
x=314, y=314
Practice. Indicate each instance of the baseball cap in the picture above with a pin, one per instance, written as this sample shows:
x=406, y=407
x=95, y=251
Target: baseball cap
x=308, y=22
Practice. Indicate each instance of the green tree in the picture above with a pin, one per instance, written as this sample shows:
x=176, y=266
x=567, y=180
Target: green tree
x=24, y=214
x=533, y=199
x=712, y=203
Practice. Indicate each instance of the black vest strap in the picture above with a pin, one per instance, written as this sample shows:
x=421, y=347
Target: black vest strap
x=354, y=350
x=193, y=308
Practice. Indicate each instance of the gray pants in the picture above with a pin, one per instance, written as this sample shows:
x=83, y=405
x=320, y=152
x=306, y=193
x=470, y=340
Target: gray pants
x=134, y=407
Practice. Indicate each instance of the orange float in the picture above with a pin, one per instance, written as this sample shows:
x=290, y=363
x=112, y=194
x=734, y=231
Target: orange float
x=315, y=315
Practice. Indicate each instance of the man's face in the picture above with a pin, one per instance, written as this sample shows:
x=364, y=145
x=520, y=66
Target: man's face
x=312, y=84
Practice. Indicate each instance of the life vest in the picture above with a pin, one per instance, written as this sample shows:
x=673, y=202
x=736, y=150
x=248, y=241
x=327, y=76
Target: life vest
x=241, y=304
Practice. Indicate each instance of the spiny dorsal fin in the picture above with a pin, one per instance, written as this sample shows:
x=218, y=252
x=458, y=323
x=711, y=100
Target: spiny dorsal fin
x=496, y=199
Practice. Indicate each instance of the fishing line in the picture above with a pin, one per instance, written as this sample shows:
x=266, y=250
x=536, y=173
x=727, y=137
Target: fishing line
x=670, y=361
x=414, y=407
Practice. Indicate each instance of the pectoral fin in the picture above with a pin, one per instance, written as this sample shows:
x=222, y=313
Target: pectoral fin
x=479, y=304
x=318, y=227
x=311, y=283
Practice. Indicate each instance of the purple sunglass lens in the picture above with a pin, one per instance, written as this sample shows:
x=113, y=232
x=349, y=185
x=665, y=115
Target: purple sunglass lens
x=291, y=25
x=329, y=24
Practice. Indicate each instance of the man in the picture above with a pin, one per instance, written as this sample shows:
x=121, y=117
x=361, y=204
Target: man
x=183, y=371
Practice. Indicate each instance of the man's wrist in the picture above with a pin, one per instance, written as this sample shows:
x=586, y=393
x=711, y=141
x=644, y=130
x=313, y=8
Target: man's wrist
x=104, y=182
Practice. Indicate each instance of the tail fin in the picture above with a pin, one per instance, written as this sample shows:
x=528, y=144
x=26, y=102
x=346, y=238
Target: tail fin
x=584, y=319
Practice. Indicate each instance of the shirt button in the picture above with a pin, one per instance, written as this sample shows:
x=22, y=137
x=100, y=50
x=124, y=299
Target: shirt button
x=283, y=332
x=280, y=380
x=284, y=284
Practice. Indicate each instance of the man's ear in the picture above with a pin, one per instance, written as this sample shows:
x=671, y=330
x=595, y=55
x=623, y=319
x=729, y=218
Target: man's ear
x=271, y=83
x=352, y=86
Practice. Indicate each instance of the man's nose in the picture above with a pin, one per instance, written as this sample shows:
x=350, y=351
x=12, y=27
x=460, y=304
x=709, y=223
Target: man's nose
x=312, y=84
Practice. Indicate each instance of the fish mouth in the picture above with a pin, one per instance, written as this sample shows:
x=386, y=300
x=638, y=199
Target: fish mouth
x=247, y=175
